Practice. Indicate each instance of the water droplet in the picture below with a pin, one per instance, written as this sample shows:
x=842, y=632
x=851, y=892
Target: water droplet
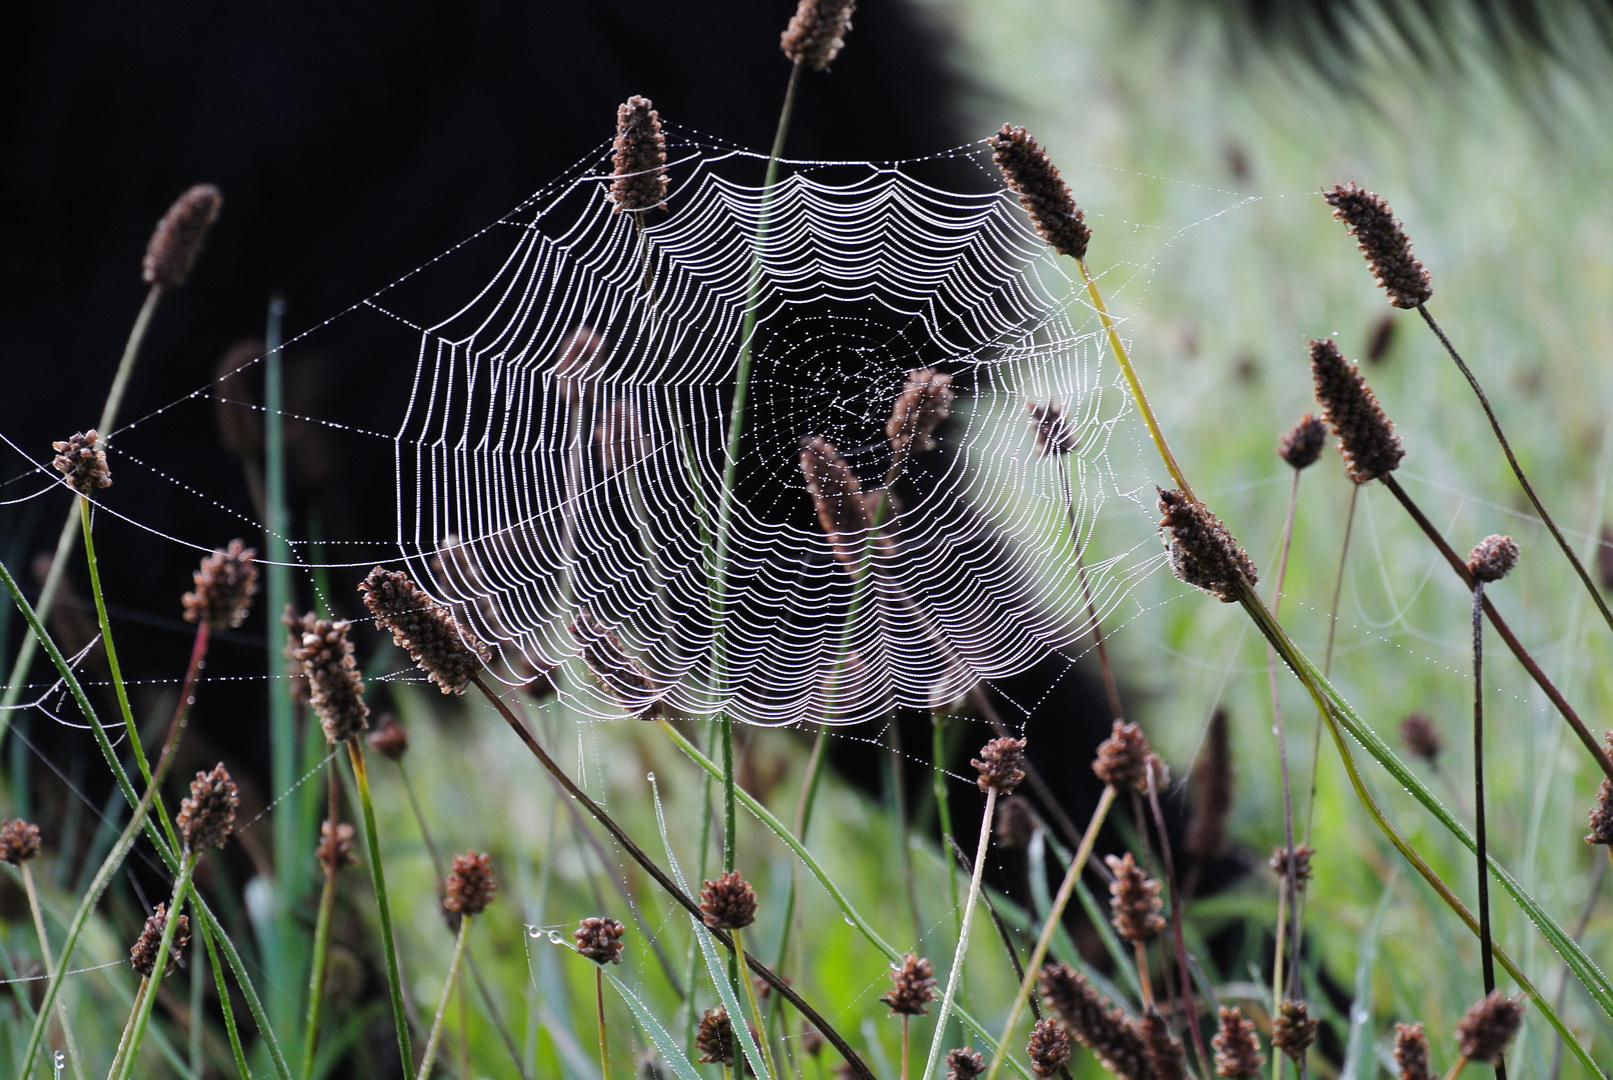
x=534, y=932
x=849, y=920
x=554, y=938
x=58, y=1062
x=650, y=777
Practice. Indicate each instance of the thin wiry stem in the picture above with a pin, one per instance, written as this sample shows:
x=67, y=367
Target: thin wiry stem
x=44, y=954
x=599, y=1009
x=750, y=1000
x=430, y=1056
x=1287, y=901
x=1327, y=656
x=322, y=928
x=1177, y=939
x=1486, y=945
x=1110, y=686
x=176, y=903
x=955, y=976
x=400, y=1019
x=187, y=696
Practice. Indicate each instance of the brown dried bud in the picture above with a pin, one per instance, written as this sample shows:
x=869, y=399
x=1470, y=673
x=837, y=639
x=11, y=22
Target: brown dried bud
x=837, y=495
x=1493, y=558
x=296, y=626
x=177, y=241
x=913, y=987
x=1604, y=559
x=1202, y=551
x=964, y=1064
x=1382, y=239
x=207, y=817
x=389, y=739
x=470, y=885
x=1166, y=1054
x=1001, y=765
x=1367, y=438
x=1045, y=197
x=1299, y=865
x=1050, y=424
x=1489, y=1024
x=1210, y=791
x=224, y=585
x=1049, y=1048
x=1096, y=1023
x=1421, y=737
x=715, y=1038
x=335, y=689
x=1123, y=758
x=1237, y=1047
x=1016, y=822
x=1294, y=1029
x=729, y=903
x=817, y=32
x=19, y=841
x=926, y=400
x=1302, y=444
x=651, y=1067
x=1382, y=336
x=335, y=845
x=1134, y=903
x=811, y=1040
x=143, y=955
x=82, y=462
x=599, y=938
x=1411, y=1052
x=638, y=157
x=604, y=654
x=1601, y=815
x=446, y=651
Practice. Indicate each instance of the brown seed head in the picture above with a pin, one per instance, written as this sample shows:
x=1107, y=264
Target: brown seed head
x=1237, y=1047
x=335, y=845
x=389, y=739
x=143, y=955
x=837, y=495
x=335, y=689
x=651, y=1067
x=638, y=157
x=1050, y=423
x=1382, y=336
x=1411, y=1052
x=1166, y=1055
x=1045, y=197
x=1049, y=1048
x=964, y=1064
x=296, y=626
x=470, y=885
x=1016, y=821
x=177, y=241
x=913, y=987
x=1294, y=1029
x=1001, y=765
x=604, y=654
x=1299, y=864
x=1382, y=239
x=1202, y=551
x=1493, y=558
x=1119, y=1045
x=1601, y=815
x=1123, y=759
x=1367, y=438
x=1210, y=791
x=446, y=651
x=715, y=1038
x=83, y=462
x=1488, y=1025
x=1134, y=903
x=207, y=817
x=817, y=32
x=729, y=903
x=224, y=585
x=19, y=841
x=1421, y=737
x=926, y=400
x=1302, y=444
x=811, y=1040
x=599, y=938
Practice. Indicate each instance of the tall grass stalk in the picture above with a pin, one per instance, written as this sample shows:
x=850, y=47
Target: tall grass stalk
x=176, y=904
x=430, y=1055
x=38, y=914
x=322, y=928
x=400, y=1019
x=1480, y=833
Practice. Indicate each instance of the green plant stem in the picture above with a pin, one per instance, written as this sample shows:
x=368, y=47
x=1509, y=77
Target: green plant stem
x=805, y=800
x=176, y=903
x=322, y=928
x=955, y=976
x=122, y=1052
x=241, y=1068
x=38, y=914
x=1287, y=900
x=599, y=1008
x=729, y=832
x=1033, y=966
x=197, y=1025
x=749, y=989
x=355, y=754
x=442, y=1005
x=1480, y=834
x=1327, y=656
x=943, y=803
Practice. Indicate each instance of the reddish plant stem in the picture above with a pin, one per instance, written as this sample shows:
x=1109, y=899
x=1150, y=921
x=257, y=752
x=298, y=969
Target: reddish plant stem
x=187, y=697
x=1177, y=939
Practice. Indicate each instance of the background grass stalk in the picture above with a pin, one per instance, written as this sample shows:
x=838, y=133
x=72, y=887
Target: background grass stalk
x=355, y=754
x=1486, y=946
x=430, y=1055
x=1287, y=900
x=44, y=954
x=955, y=976
x=599, y=1010
x=749, y=989
x=322, y=925
x=122, y=1052
x=1177, y=940
x=176, y=904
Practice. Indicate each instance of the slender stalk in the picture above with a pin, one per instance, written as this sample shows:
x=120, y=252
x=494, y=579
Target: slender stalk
x=187, y=696
x=1177, y=940
x=955, y=976
x=44, y=955
x=1287, y=900
x=1142, y=975
x=122, y=1052
x=1110, y=686
x=442, y=1006
x=599, y=1006
x=241, y=1068
x=322, y=928
x=1461, y=1063
x=943, y=803
x=1486, y=945
x=1338, y=580
x=905, y=1049
x=750, y=999
x=176, y=903
x=197, y=1024
x=355, y=754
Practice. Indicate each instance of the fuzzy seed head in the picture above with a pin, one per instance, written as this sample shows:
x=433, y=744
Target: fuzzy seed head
x=1493, y=558
x=1049, y=1048
x=143, y=955
x=296, y=626
x=1237, y=1047
x=1367, y=438
x=964, y=1064
x=1382, y=239
x=913, y=987
x=335, y=690
x=811, y=1040
x=470, y=885
x=1296, y=862
x=83, y=462
x=599, y=938
x=207, y=817
x=1094, y=1022
x=1602, y=815
x=926, y=400
x=1202, y=551
x=817, y=32
x=1123, y=759
x=1001, y=765
x=1050, y=424
x=1134, y=904
x=177, y=241
x=1411, y=1052
x=1166, y=1054
x=1043, y=194
x=19, y=841
x=729, y=903
x=837, y=496
x=1421, y=737
x=715, y=1038
x=389, y=739
x=1302, y=444
x=446, y=651
x=617, y=669
x=638, y=157
x=1489, y=1024
x=1294, y=1029
x=335, y=845
x=1210, y=789
x=1016, y=822
x=223, y=590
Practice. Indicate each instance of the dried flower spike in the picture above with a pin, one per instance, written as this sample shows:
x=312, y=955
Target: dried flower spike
x=470, y=885
x=1411, y=1052
x=335, y=845
x=1016, y=822
x=817, y=32
x=82, y=462
x=926, y=400
x=335, y=689
x=1382, y=239
x=729, y=903
x=599, y=938
x=1001, y=765
x=1294, y=1030
x=1367, y=438
x=964, y=1064
x=1049, y=1048
x=715, y=1038
x=604, y=654
x=837, y=496
x=1050, y=424
x=389, y=739
x=207, y=817
x=811, y=1040
x=1601, y=815
x=1237, y=1047
x=638, y=157
x=1202, y=551
x=446, y=651
x=1122, y=759
x=1302, y=444
x=1134, y=903
x=1421, y=737
x=19, y=841
x=1045, y=197
x=143, y=955
x=1166, y=1055
x=1298, y=865
x=1493, y=558
x=224, y=585
x=913, y=987
x=177, y=241
x=1119, y=1045
x=1210, y=788
x=1488, y=1025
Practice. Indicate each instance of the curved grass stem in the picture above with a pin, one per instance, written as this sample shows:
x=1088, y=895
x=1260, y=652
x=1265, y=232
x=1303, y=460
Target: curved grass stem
x=400, y=1019
x=955, y=976
x=430, y=1056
